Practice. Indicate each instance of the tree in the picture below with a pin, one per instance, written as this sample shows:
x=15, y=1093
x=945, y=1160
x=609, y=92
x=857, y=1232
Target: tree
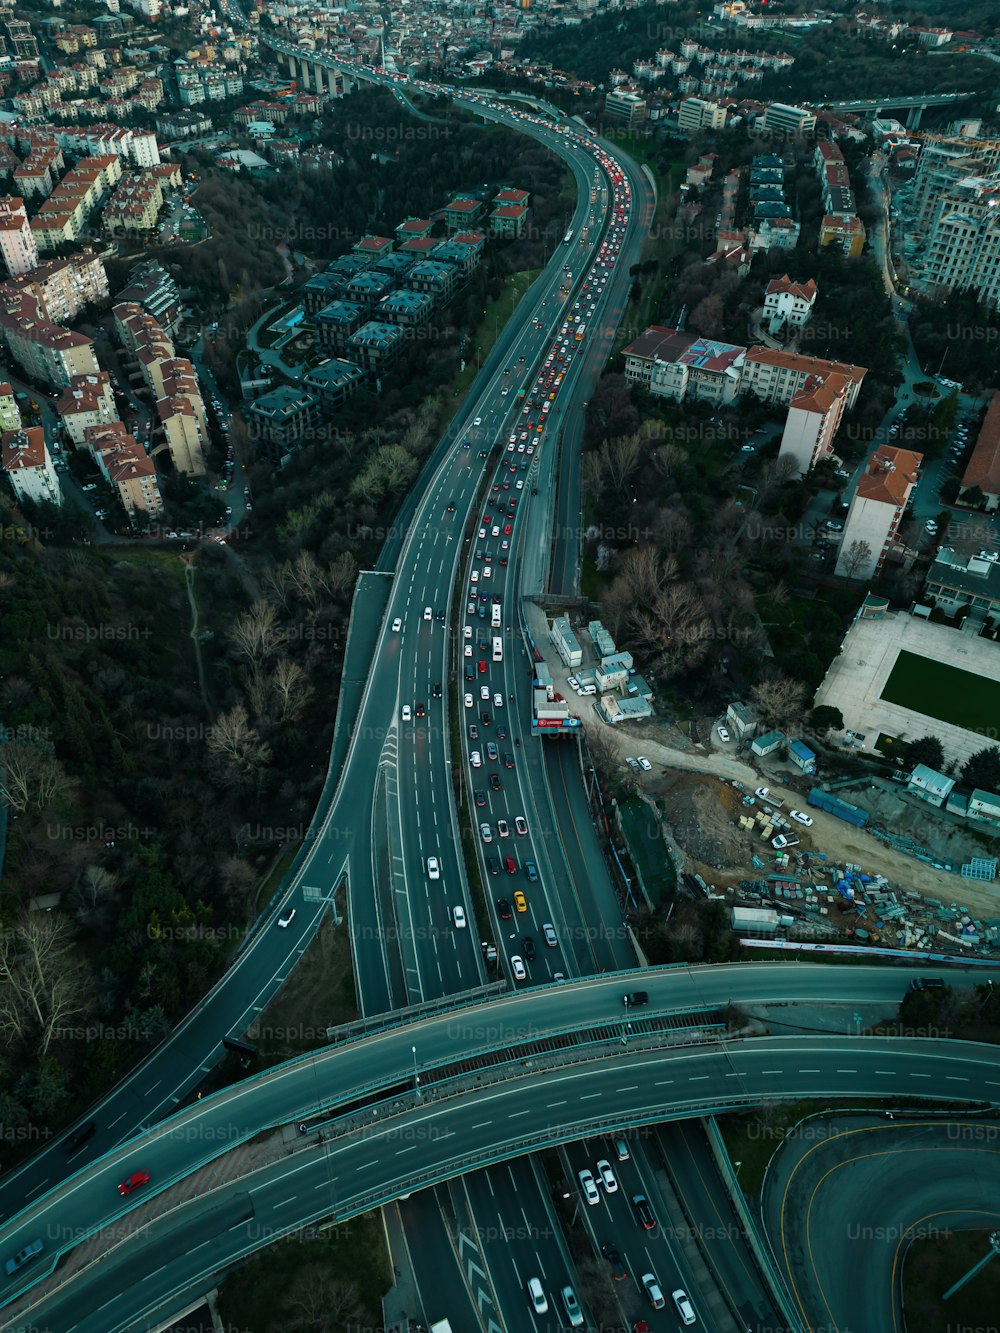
x=927, y=750
x=779, y=701
x=983, y=769
x=42, y=983
x=290, y=688
x=255, y=634
x=857, y=557
x=826, y=718
x=238, y=746
x=323, y=1303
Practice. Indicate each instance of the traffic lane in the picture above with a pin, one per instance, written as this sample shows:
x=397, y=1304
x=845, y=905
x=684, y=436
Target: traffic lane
x=713, y=1223
x=437, y=1269
x=842, y=1204
x=504, y=1200
x=434, y=1140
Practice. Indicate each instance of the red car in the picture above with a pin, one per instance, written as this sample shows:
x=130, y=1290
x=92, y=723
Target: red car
x=133, y=1182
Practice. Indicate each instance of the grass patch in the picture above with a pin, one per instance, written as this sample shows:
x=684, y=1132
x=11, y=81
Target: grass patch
x=318, y=994
x=647, y=849
x=494, y=320
x=340, y=1274
x=933, y=1265
x=751, y=1139
x=944, y=692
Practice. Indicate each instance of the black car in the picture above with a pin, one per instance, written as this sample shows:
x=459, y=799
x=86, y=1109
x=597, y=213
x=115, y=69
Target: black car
x=508, y=761
x=528, y=948
x=80, y=1136
x=927, y=983
x=633, y=999
x=485, y=718
x=480, y=797
x=421, y=710
x=501, y=732
x=618, y=1270
x=493, y=865
x=437, y=690
x=495, y=781
x=439, y=617
x=504, y=909
x=451, y=508
x=643, y=1211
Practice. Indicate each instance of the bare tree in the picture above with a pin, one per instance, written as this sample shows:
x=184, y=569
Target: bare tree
x=779, y=701
x=858, y=556
x=31, y=775
x=255, y=634
x=42, y=983
x=594, y=480
x=340, y=575
x=238, y=746
x=291, y=689
x=94, y=893
x=621, y=458
x=324, y=1304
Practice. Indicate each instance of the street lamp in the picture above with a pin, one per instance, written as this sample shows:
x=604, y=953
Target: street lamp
x=416, y=1076
x=737, y=1165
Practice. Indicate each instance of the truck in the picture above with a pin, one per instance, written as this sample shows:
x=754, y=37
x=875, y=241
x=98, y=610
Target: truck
x=833, y=805
x=441, y=1326
x=764, y=794
x=782, y=841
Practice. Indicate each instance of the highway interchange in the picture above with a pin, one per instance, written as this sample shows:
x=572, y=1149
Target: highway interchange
x=391, y=806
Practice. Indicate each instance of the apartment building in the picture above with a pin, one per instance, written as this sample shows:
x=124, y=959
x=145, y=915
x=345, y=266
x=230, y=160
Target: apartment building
x=181, y=423
x=124, y=465
x=87, y=401
x=876, y=509
x=788, y=303
x=814, y=415
x=333, y=382
x=698, y=113
x=283, y=419
x=336, y=323
x=843, y=232
x=17, y=242
x=63, y=287
x=28, y=466
x=406, y=308
x=376, y=345
x=44, y=351
x=776, y=377
x=944, y=161
x=779, y=118
x=956, y=580
x=10, y=413
x=440, y=280
x=152, y=287
x=982, y=471
x=628, y=107
x=963, y=247
x=679, y=365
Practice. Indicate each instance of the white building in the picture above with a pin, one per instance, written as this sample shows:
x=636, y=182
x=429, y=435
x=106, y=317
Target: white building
x=788, y=303
x=28, y=464
x=143, y=149
x=17, y=243
x=814, y=416
x=877, y=507
x=698, y=113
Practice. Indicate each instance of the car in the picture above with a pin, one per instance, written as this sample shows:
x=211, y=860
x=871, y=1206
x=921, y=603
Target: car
x=478, y=421
x=722, y=733
x=520, y=902
x=504, y=910
x=468, y=650
x=491, y=750
x=482, y=671
x=508, y=760
x=498, y=700
x=618, y=1270
x=572, y=682
x=80, y=1136
x=485, y=718
x=501, y=732
x=486, y=832
x=520, y=826
x=458, y=916
x=397, y=625
x=433, y=868
x=621, y=1150
x=510, y=865
x=652, y=1289
x=528, y=946
x=503, y=828
x=133, y=1182
x=286, y=920
x=643, y=1211
x=436, y=691
x=607, y=1176
x=531, y=871
x=475, y=759
x=930, y=526
x=549, y=934
x=684, y=1307
x=451, y=508
x=589, y=1186
x=469, y=701
x=484, y=692
x=800, y=817
x=421, y=710
x=644, y=763
x=833, y=525
x=428, y=613
x=479, y=797
x=536, y=1296
x=572, y=1307
x=632, y=763
x=634, y=999
x=28, y=1252
x=927, y=983
x=518, y=968
x=467, y=632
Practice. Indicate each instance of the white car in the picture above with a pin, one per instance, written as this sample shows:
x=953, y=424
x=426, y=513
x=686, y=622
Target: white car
x=607, y=1176
x=723, y=733
x=478, y=421
x=407, y=713
x=536, y=1295
x=397, y=625
x=518, y=968
x=469, y=701
x=495, y=531
x=498, y=701
x=484, y=693
x=653, y=1291
x=467, y=632
x=468, y=650
x=286, y=919
x=428, y=613
x=458, y=916
x=644, y=764
x=589, y=1186
x=684, y=1307
x=572, y=682
x=521, y=826
x=476, y=759
x=503, y=828
x=433, y=868
x=800, y=817
x=486, y=832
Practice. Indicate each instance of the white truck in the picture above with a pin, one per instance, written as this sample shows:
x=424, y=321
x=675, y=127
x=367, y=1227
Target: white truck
x=782, y=841
x=764, y=794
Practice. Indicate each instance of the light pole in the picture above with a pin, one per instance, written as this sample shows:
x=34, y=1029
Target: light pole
x=737, y=1165
x=416, y=1076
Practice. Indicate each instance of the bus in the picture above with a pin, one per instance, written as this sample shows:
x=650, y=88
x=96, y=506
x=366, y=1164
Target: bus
x=497, y=649
x=568, y=237
x=581, y=329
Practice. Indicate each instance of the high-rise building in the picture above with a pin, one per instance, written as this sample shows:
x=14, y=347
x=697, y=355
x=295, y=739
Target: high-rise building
x=877, y=507
x=963, y=248
x=17, y=244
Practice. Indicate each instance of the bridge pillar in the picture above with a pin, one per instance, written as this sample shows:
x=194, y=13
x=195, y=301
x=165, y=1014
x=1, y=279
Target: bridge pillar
x=331, y=83
x=913, y=119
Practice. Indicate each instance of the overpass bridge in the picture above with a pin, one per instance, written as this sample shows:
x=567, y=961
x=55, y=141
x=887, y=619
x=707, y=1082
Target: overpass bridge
x=915, y=105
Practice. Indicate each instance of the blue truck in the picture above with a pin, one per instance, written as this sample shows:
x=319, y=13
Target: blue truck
x=833, y=805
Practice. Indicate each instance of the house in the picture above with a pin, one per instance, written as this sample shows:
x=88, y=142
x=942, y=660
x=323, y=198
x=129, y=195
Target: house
x=283, y=418
x=742, y=720
x=929, y=785
x=460, y=214
x=802, y=757
x=375, y=345
x=767, y=744
x=788, y=303
x=333, y=381
x=982, y=471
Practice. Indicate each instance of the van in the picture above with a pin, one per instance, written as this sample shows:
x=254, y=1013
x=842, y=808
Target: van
x=496, y=616
x=633, y=999
x=621, y=1150
x=927, y=983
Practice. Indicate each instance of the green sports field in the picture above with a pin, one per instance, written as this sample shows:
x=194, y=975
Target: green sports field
x=944, y=692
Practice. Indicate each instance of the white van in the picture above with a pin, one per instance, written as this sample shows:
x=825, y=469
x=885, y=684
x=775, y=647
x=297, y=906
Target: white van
x=495, y=621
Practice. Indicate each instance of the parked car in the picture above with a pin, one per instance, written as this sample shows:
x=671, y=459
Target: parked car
x=722, y=733
x=801, y=817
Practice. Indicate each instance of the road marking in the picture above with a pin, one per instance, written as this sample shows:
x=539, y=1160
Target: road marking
x=920, y=1076
x=632, y=1087
x=401, y=1151
x=847, y=1071
x=514, y=1114
x=697, y=1078
x=809, y=1071
x=955, y=1078
x=552, y=1105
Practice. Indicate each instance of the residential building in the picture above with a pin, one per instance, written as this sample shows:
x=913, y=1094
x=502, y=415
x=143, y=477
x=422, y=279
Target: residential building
x=152, y=287
x=336, y=322
x=28, y=466
x=930, y=785
x=87, y=401
x=44, y=351
x=333, y=382
x=17, y=243
x=844, y=233
x=698, y=113
x=788, y=303
x=814, y=416
x=10, y=413
x=62, y=287
x=962, y=251
x=414, y=228
x=408, y=309
x=776, y=377
x=956, y=580
x=983, y=468
x=373, y=247
x=367, y=289
x=944, y=161
x=124, y=464
x=376, y=345
x=675, y=365
x=440, y=280
x=182, y=424
x=508, y=221
x=875, y=512
x=780, y=118
x=460, y=214
x=282, y=419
